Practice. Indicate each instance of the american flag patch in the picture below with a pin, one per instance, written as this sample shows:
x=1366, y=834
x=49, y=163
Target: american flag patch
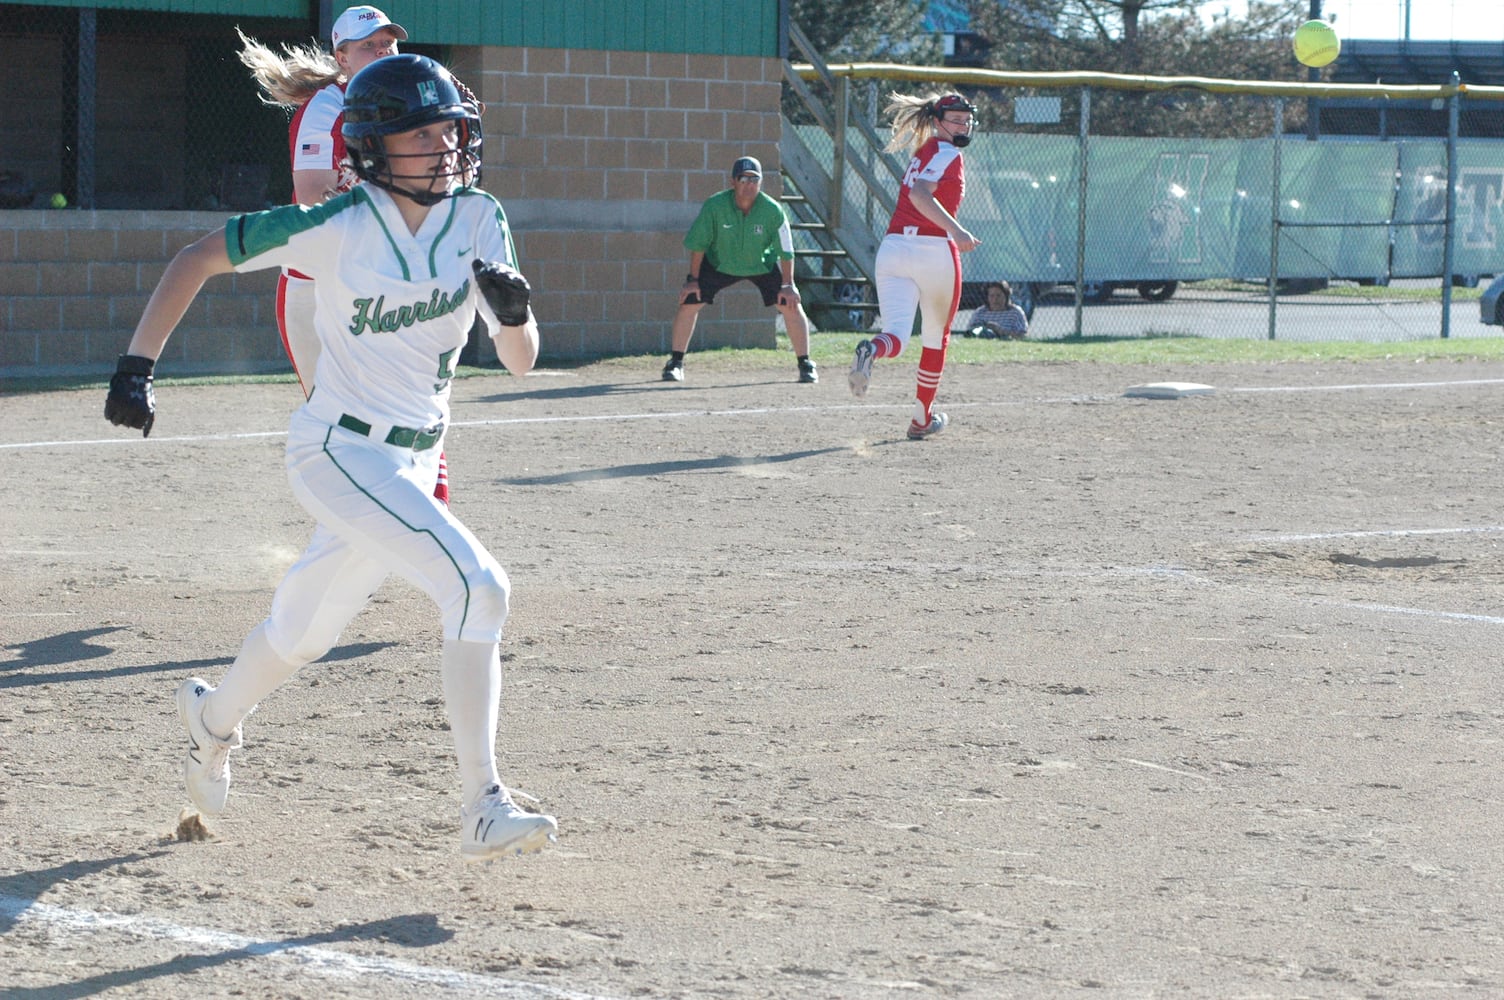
x=309, y=149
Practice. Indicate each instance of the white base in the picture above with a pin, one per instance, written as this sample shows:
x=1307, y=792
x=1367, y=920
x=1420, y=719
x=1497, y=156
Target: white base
x=1168, y=390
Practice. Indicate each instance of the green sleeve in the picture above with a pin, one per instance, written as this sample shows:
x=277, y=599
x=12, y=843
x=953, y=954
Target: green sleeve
x=253, y=234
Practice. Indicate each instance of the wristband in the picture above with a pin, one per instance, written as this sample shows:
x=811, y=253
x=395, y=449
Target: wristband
x=134, y=364
x=691, y=278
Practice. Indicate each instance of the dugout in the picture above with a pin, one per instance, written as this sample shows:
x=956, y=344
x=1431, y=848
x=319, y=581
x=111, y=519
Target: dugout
x=606, y=127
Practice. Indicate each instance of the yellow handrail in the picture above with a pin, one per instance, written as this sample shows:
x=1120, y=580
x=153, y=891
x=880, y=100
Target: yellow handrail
x=1118, y=81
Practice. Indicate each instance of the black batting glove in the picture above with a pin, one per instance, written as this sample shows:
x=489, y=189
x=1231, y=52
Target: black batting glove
x=506, y=291
x=131, y=403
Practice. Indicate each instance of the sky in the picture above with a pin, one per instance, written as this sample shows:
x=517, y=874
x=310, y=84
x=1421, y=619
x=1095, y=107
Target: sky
x=1430, y=20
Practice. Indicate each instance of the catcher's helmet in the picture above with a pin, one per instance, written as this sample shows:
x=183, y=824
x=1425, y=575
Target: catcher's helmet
x=951, y=102
x=398, y=94
x=954, y=102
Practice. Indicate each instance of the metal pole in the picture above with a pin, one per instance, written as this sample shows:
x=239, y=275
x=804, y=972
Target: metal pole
x=88, y=55
x=1279, y=128
x=1313, y=75
x=325, y=17
x=1081, y=156
x=1451, y=221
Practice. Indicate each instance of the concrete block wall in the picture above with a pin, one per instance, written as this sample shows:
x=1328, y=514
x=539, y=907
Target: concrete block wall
x=73, y=284
x=601, y=159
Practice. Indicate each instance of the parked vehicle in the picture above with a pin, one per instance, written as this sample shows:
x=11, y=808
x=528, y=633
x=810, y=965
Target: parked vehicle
x=1152, y=291
x=1491, y=303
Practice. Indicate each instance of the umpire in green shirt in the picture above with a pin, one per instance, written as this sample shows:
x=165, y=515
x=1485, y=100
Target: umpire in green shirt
x=741, y=234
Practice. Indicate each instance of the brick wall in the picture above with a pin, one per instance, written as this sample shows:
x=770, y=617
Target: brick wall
x=73, y=284
x=601, y=159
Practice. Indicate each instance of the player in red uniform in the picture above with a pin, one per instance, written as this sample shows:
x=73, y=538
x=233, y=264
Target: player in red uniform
x=918, y=263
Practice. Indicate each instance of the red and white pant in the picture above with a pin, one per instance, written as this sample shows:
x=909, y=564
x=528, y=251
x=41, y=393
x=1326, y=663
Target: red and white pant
x=918, y=274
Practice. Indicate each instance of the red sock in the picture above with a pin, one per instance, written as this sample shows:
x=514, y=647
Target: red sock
x=885, y=345
x=441, y=488
x=931, y=364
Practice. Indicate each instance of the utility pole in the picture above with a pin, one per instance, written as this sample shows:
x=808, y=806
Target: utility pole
x=1313, y=75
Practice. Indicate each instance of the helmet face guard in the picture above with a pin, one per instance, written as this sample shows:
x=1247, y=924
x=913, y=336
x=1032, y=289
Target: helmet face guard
x=955, y=102
x=398, y=94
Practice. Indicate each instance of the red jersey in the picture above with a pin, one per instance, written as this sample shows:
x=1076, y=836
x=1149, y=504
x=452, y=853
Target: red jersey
x=938, y=161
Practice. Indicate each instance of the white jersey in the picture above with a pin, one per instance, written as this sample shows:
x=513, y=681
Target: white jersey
x=393, y=309
x=315, y=137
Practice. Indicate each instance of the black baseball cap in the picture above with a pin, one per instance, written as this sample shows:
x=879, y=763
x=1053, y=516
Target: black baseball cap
x=746, y=165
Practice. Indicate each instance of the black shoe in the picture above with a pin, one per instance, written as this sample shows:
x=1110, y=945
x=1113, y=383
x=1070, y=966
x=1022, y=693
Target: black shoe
x=674, y=370
x=807, y=371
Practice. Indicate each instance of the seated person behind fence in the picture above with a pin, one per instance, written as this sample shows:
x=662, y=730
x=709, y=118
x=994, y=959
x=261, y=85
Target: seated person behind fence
x=740, y=234
x=999, y=317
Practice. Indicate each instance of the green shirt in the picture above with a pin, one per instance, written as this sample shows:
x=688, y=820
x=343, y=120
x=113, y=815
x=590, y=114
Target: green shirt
x=741, y=245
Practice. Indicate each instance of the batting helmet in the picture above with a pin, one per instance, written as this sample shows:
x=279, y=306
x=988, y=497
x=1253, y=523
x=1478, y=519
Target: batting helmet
x=398, y=94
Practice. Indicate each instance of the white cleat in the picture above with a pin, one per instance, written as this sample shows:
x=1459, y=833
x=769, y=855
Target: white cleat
x=206, y=767
x=938, y=423
x=494, y=827
x=861, y=368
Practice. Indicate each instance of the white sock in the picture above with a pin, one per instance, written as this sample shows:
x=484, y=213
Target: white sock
x=256, y=673
x=472, y=699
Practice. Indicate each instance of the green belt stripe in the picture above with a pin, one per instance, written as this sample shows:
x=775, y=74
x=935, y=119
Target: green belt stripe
x=401, y=437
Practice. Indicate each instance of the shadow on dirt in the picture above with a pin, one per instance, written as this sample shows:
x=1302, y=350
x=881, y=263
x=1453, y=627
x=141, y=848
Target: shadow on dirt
x=78, y=646
x=665, y=468
x=601, y=390
x=417, y=930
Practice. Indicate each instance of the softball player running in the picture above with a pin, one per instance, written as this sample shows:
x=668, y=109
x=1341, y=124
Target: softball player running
x=396, y=262
x=312, y=84
x=918, y=262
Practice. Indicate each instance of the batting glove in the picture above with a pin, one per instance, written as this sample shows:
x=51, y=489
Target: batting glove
x=506, y=291
x=131, y=402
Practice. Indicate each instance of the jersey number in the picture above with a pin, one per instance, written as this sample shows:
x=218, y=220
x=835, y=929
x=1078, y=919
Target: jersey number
x=912, y=174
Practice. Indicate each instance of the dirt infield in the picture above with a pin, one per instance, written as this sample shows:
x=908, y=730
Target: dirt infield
x=1090, y=697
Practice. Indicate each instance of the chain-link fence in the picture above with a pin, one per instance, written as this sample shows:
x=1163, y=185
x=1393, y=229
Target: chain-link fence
x=1115, y=211
x=122, y=109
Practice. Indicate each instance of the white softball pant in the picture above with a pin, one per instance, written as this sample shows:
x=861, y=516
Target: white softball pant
x=377, y=516
x=918, y=273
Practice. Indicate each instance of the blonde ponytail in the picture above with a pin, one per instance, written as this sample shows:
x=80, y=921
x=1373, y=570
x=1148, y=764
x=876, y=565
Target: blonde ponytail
x=288, y=79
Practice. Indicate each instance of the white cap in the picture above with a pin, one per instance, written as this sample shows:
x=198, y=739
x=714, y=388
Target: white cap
x=363, y=22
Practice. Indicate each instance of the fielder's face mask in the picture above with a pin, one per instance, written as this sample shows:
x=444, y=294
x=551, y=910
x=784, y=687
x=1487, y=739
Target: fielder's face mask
x=959, y=132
